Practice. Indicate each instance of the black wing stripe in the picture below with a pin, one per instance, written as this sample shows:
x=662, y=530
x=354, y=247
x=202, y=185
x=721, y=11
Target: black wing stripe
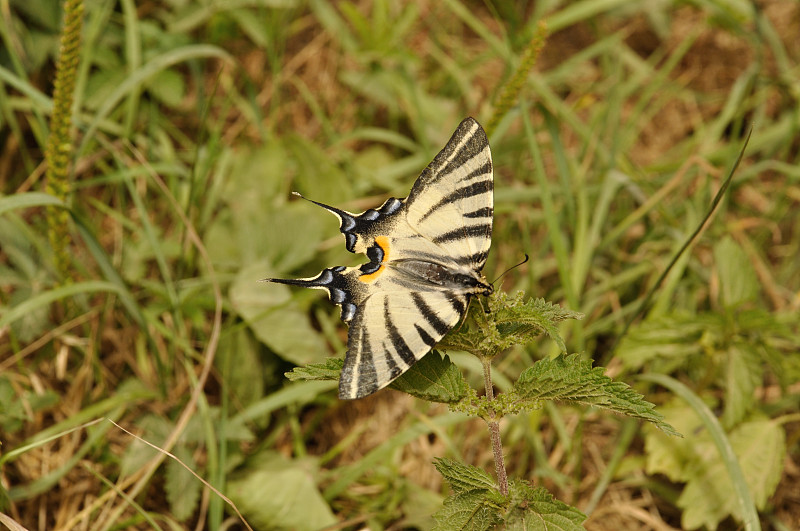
x=459, y=162
x=468, y=141
x=475, y=260
x=392, y=367
x=458, y=302
x=462, y=135
x=462, y=233
x=425, y=336
x=430, y=316
x=485, y=212
x=458, y=194
x=399, y=343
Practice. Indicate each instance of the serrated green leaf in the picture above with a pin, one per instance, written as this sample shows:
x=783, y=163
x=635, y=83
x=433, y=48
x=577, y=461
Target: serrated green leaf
x=742, y=373
x=534, y=508
x=760, y=447
x=274, y=318
x=737, y=277
x=329, y=370
x=467, y=511
x=462, y=477
x=239, y=361
x=571, y=379
x=169, y=87
x=709, y=497
x=433, y=378
x=529, y=318
x=275, y=493
x=511, y=320
x=182, y=488
x=672, y=339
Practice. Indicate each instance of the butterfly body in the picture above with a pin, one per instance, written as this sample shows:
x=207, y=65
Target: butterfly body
x=425, y=252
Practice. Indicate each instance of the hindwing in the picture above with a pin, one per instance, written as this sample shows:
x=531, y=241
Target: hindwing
x=426, y=253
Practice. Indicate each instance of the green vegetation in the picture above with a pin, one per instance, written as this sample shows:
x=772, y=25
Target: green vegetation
x=129, y=284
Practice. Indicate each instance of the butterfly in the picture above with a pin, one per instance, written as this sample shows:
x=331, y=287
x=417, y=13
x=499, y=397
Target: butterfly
x=425, y=252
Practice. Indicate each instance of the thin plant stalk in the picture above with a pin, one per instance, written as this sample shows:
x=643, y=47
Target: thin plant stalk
x=59, y=149
x=510, y=93
x=494, y=431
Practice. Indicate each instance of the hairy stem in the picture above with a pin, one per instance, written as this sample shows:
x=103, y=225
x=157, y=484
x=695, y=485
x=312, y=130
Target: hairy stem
x=494, y=431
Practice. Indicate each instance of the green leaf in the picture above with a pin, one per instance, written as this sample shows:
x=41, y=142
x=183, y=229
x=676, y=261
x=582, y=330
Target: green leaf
x=760, y=447
x=261, y=222
x=182, y=488
x=328, y=370
x=17, y=405
x=433, y=378
x=318, y=177
x=742, y=372
x=571, y=379
x=274, y=318
x=275, y=493
x=462, y=477
x=670, y=339
x=669, y=455
x=534, y=508
x=526, y=320
x=467, y=511
x=708, y=498
x=28, y=200
x=168, y=87
x=241, y=366
x=737, y=277
x=418, y=506
x=510, y=321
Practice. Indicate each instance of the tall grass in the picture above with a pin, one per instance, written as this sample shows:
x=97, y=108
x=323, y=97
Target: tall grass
x=192, y=123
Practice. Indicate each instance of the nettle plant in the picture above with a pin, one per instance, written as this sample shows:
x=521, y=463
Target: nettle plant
x=480, y=501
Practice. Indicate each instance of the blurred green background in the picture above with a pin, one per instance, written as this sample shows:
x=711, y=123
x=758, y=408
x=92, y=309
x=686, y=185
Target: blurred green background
x=193, y=121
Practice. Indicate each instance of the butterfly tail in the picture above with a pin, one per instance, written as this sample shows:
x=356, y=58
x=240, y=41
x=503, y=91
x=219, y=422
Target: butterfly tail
x=336, y=282
x=347, y=221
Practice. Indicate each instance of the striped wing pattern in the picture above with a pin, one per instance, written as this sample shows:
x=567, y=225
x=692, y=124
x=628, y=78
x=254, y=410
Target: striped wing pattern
x=426, y=253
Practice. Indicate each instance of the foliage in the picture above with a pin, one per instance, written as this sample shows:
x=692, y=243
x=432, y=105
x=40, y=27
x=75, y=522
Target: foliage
x=58, y=152
x=192, y=123
x=477, y=503
x=706, y=500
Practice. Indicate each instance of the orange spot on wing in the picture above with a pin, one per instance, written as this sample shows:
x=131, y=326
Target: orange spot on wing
x=383, y=243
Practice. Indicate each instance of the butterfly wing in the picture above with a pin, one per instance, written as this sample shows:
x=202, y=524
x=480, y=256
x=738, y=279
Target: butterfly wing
x=392, y=329
x=425, y=255
x=393, y=322
x=452, y=201
x=447, y=213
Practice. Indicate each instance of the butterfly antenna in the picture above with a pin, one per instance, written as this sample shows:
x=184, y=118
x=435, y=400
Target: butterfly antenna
x=504, y=273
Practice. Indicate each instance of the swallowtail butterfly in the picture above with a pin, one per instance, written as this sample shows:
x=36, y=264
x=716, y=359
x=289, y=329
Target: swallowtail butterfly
x=426, y=253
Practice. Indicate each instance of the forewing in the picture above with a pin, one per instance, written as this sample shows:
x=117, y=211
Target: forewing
x=452, y=201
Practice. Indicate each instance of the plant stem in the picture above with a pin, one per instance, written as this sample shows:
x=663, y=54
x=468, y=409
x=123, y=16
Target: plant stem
x=58, y=150
x=513, y=87
x=494, y=431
